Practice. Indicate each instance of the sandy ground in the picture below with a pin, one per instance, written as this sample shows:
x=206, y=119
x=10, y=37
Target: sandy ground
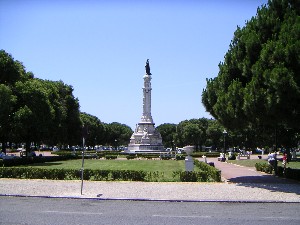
x=153, y=190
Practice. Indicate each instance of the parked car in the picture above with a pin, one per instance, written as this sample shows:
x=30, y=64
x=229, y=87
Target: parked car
x=4, y=156
x=55, y=149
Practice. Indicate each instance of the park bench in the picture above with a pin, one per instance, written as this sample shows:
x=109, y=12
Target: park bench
x=247, y=156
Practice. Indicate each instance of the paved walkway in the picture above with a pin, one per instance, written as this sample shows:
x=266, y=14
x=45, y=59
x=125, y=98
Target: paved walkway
x=240, y=184
x=239, y=174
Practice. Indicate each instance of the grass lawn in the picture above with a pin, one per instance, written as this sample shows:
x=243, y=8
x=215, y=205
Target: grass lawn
x=145, y=165
x=251, y=163
x=165, y=166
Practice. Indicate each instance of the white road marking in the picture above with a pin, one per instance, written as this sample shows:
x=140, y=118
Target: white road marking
x=278, y=218
x=174, y=216
x=80, y=213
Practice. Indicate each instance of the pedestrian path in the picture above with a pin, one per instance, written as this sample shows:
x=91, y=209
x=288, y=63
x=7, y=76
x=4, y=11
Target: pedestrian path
x=240, y=174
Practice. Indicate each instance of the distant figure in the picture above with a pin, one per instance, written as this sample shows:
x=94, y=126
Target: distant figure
x=272, y=160
x=147, y=67
x=284, y=161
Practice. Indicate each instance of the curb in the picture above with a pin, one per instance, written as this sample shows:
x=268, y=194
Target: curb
x=145, y=199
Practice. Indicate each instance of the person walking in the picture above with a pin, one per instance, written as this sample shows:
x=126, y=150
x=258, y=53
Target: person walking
x=284, y=161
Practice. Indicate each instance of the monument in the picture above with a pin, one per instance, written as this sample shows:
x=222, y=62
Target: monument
x=145, y=137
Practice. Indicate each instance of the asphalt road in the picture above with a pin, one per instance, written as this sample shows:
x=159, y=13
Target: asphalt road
x=45, y=211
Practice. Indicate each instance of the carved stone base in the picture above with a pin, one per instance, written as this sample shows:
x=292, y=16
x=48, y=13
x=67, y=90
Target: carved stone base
x=145, y=139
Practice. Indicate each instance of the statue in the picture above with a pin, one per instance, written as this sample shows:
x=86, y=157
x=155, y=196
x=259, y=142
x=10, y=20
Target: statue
x=147, y=67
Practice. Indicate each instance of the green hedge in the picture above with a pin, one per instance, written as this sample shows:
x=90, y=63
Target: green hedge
x=180, y=157
x=30, y=160
x=207, y=154
x=165, y=157
x=264, y=167
x=288, y=173
x=130, y=157
x=148, y=156
x=103, y=175
x=111, y=156
x=71, y=174
x=192, y=176
x=211, y=172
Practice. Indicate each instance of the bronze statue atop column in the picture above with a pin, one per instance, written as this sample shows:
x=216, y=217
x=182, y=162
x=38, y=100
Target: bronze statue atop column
x=147, y=67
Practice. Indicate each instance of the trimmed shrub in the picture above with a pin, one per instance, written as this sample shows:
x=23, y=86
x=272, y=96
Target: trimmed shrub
x=128, y=175
x=232, y=157
x=180, y=157
x=264, y=167
x=288, y=173
x=130, y=157
x=211, y=172
x=165, y=157
x=148, y=156
x=111, y=156
x=102, y=175
x=37, y=159
x=207, y=154
x=191, y=176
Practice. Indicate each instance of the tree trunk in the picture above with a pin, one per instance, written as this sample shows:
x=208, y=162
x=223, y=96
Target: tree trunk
x=4, y=147
x=27, y=148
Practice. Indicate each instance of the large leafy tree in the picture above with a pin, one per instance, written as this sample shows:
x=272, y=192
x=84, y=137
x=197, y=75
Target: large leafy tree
x=35, y=114
x=258, y=85
x=35, y=110
x=167, y=131
x=7, y=102
x=214, y=134
x=96, y=129
x=117, y=134
x=192, y=132
x=68, y=116
x=66, y=125
x=12, y=70
x=9, y=70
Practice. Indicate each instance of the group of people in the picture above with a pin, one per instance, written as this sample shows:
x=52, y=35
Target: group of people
x=272, y=160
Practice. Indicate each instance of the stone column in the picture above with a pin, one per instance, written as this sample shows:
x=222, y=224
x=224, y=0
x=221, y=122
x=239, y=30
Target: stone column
x=146, y=117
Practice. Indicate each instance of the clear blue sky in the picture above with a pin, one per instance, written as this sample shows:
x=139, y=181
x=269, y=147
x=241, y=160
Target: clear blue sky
x=100, y=48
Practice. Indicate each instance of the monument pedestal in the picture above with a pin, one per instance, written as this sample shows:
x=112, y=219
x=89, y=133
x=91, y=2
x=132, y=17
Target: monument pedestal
x=145, y=139
x=189, y=161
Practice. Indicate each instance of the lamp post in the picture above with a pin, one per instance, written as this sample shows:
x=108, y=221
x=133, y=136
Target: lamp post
x=116, y=144
x=224, y=151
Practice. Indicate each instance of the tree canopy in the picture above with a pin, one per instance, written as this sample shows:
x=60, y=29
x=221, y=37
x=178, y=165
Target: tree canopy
x=258, y=84
x=40, y=111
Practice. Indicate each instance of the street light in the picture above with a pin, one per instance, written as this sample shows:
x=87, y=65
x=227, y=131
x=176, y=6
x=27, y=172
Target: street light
x=224, y=151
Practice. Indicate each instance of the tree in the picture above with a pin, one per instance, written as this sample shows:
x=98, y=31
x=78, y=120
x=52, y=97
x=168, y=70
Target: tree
x=34, y=115
x=214, y=134
x=67, y=129
x=36, y=110
x=118, y=134
x=9, y=70
x=167, y=131
x=7, y=102
x=192, y=132
x=96, y=130
x=258, y=85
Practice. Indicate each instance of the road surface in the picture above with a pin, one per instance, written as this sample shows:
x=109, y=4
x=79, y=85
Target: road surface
x=46, y=211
